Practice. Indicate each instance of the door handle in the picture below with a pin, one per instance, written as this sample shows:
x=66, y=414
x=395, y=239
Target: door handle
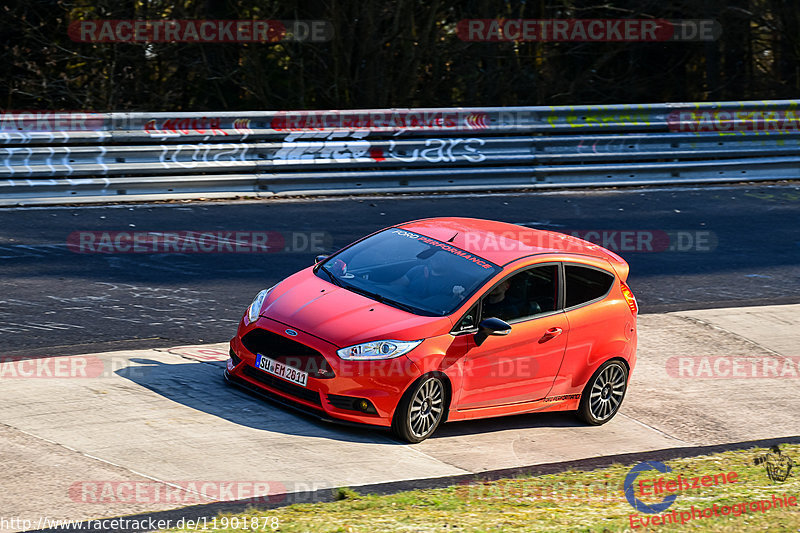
x=550, y=334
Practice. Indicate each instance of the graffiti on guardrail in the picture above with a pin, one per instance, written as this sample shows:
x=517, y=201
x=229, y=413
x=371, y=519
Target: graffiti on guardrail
x=201, y=125
x=203, y=154
x=435, y=151
x=601, y=117
x=327, y=146
x=431, y=150
x=339, y=147
x=198, y=125
x=86, y=153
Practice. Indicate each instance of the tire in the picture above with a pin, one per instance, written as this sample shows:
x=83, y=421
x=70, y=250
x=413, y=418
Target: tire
x=420, y=411
x=604, y=393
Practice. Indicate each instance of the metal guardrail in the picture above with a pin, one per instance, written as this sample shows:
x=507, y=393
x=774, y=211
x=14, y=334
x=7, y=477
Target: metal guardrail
x=69, y=157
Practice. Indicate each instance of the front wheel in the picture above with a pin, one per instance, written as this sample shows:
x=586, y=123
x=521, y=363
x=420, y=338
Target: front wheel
x=603, y=394
x=420, y=411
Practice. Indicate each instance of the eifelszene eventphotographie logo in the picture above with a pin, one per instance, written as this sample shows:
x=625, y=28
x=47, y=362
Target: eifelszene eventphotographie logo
x=630, y=493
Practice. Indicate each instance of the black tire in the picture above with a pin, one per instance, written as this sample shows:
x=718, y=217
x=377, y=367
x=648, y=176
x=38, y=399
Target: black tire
x=421, y=410
x=604, y=393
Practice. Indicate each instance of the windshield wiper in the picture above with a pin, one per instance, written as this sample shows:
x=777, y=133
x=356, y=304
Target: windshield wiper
x=379, y=297
x=402, y=306
x=333, y=278
x=384, y=300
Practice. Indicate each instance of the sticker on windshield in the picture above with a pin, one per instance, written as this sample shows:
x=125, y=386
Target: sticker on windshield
x=446, y=247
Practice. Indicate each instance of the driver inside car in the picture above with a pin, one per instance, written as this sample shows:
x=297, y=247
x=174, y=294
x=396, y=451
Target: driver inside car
x=508, y=303
x=498, y=303
x=431, y=279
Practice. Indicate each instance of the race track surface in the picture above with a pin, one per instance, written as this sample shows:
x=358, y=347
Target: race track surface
x=688, y=248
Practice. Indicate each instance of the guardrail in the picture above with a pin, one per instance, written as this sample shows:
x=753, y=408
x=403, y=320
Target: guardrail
x=71, y=157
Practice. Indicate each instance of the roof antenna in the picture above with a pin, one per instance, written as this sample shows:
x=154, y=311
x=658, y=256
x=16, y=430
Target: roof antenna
x=451, y=239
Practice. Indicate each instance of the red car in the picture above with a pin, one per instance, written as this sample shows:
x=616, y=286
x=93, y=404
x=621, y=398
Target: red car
x=445, y=319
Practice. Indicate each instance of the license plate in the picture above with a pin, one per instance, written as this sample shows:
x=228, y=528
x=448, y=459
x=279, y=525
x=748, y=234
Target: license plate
x=275, y=368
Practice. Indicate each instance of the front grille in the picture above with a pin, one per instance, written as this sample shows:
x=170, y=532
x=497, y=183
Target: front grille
x=281, y=385
x=289, y=352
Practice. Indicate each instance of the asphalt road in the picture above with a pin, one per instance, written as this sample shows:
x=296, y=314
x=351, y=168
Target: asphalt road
x=688, y=248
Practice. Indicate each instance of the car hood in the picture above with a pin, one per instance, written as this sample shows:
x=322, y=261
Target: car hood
x=305, y=302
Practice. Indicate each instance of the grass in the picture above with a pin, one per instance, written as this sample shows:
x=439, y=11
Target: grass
x=569, y=501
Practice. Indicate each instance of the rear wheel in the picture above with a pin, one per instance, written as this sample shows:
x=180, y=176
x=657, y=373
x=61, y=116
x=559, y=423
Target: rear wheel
x=420, y=411
x=603, y=394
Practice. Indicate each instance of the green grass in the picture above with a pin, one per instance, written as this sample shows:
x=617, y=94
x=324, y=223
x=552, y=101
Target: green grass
x=569, y=501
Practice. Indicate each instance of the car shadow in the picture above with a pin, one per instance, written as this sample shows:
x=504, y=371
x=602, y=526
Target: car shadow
x=201, y=386
x=564, y=419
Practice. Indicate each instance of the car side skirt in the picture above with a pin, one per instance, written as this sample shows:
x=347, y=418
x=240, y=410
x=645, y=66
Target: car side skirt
x=567, y=402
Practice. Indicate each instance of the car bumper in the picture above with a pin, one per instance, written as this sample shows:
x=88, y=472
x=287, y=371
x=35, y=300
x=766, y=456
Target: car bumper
x=381, y=383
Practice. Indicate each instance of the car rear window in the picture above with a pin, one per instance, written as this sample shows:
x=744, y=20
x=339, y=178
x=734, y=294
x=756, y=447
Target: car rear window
x=584, y=284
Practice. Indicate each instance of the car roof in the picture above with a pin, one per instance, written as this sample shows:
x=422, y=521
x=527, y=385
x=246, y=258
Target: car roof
x=502, y=243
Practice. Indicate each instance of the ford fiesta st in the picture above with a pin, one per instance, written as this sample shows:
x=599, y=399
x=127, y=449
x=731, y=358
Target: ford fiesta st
x=445, y=319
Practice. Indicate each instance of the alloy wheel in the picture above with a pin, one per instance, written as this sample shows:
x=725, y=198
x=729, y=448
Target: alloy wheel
x=607, y=392
x=427, y=407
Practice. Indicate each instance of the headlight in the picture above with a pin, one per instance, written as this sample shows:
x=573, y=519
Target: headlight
x=255, y=308
x=377, y=350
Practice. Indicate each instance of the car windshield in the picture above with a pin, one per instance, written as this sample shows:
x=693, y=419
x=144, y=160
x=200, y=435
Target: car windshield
x=409, y=271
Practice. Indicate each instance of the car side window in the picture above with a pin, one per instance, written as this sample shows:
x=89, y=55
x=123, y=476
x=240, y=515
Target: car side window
x=526, y=294
x=468, y=321
x=584, y=284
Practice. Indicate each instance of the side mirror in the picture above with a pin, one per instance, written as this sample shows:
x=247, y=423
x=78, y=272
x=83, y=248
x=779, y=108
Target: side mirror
x=491, y=326
x=320, y=259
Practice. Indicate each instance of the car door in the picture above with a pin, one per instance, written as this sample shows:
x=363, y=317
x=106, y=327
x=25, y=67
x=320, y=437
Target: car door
x=520, y=366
